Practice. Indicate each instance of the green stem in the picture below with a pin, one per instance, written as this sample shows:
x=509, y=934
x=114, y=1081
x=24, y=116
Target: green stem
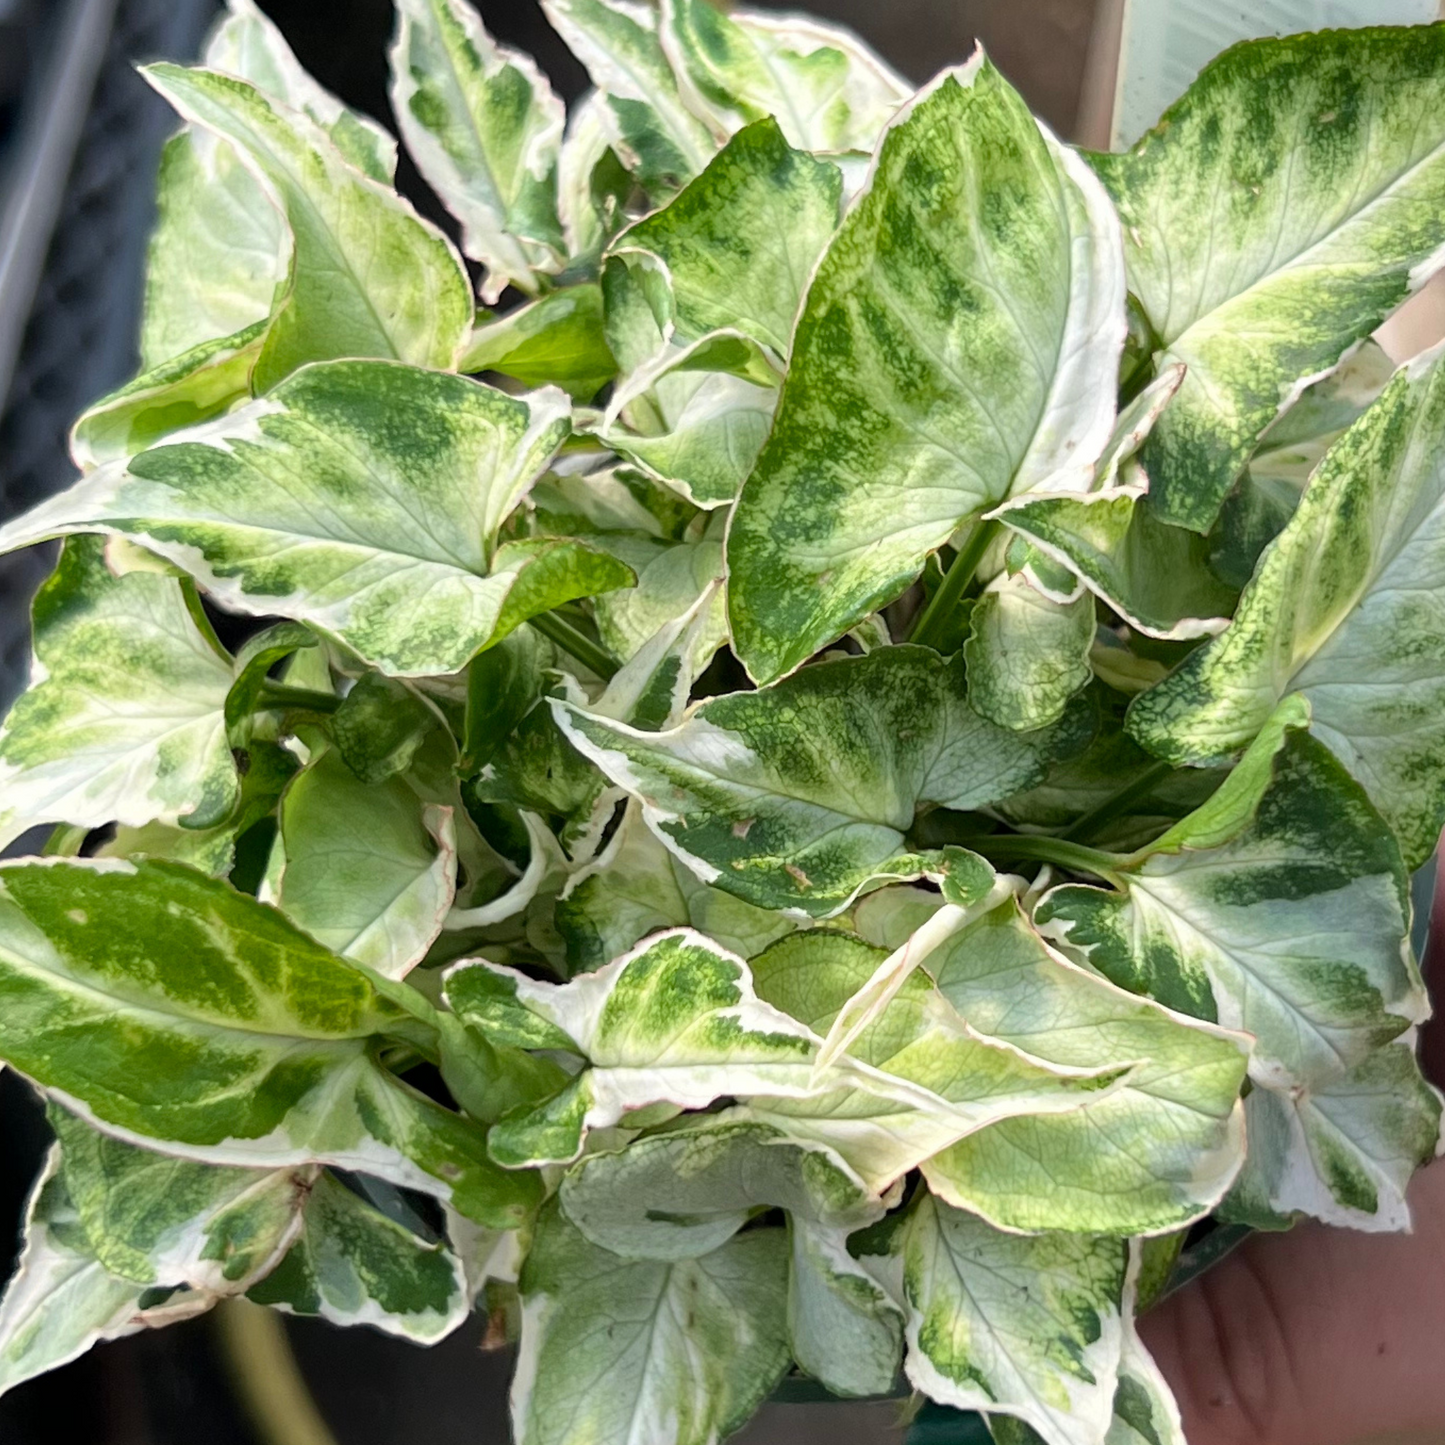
x=267, y=1379
x=1119, y=801
x=934, y=619
x=1026, y=848
x=276, y=695
x=576, y=643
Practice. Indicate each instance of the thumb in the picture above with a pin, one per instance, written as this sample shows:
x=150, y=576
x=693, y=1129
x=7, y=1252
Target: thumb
x=1317, y=1337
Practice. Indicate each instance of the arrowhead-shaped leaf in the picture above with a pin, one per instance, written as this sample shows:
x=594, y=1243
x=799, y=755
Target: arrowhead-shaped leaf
x=1279, y=212
x=799, y=795
x=1340, y=611
x=1279, y=908
x=362, y=497
x=948, y=355
x=368, y=277
x=485, y=130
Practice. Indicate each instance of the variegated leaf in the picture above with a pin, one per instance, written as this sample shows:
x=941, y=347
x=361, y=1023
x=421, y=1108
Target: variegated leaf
x=687, y=1191
x=650, y=125
x=485, y=130
x=362, y=497
x=1279, y=907
x=170, y=1009
x=124, y=720
x=368, y=277
x=1343, y=1152
x=947, y=356
x=801, y=794
x=616, y=1350
x=1342, y=611
x=824, y=86
x=1274, y=218
x=1022, y=1325
x=352, y=1265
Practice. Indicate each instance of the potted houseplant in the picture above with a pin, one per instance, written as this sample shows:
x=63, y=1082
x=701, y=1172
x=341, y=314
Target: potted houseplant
x=822, y=817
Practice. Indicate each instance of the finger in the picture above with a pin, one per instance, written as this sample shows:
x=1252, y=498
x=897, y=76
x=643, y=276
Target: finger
x=1317, y=1337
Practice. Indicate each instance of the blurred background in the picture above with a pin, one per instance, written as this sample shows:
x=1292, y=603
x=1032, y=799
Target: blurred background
x=80, y=137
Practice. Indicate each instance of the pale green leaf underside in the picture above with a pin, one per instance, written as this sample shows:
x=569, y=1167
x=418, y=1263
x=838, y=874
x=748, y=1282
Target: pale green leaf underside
x=1284, y=207
x=1015, y=1324
x=1277, y=908
x=370, y=871
x=947, y=356
x=627, y=1352
x=217, y=255
x=1344, y=611
x=360, y=497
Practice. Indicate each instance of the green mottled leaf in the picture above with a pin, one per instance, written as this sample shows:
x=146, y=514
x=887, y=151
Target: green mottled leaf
x=827, y=90
x=650, y=125
x=672, y=577
x=618, y=1350
x=361, y=497
x=1155, y=576
x=739, y=244
x=673, y=1021
x=1341, y=612
x=558, y=340
x=1279, y=907
x=1342, y=1152
x=800, y=795
x=485, y=130
x=379, y=726
x=369, y=870
x=635, y=886
x=947, y=356
x=843, y=1329
x=368, y=277
x=1055, y=1062
x=217, y=255
x=1027, y=655
x=1158, y=1151
x=352, y=1265
x=686, y=1192
x=156, y=1220
x=1277, y=215
x=124, y=719
x=1022, y=1325
x=193, y=387
x=249, y=45
x=168, y=1007
x=61, y=1300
